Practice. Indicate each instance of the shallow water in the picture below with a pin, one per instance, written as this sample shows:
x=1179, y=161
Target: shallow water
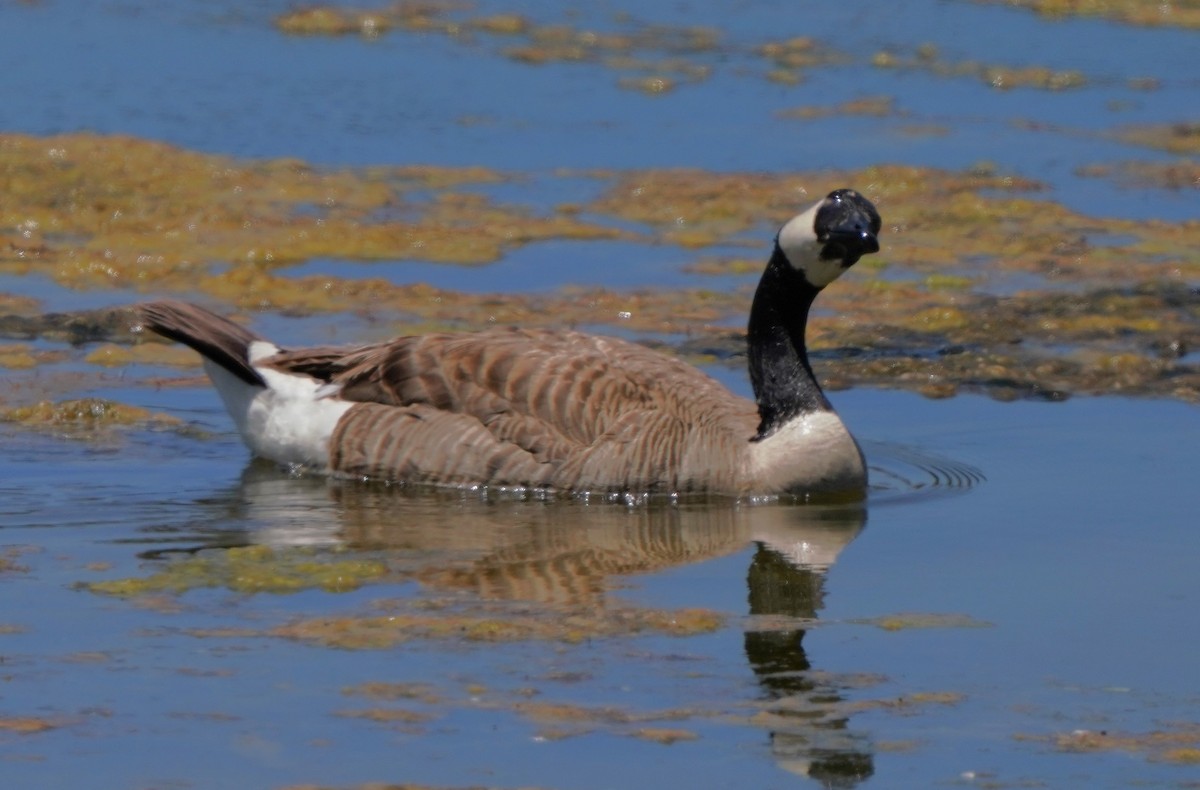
x=1020, y=580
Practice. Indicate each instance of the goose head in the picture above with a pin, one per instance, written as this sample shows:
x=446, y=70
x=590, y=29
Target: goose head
x=830, y=237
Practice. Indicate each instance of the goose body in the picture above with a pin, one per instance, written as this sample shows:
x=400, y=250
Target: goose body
x=562, y=411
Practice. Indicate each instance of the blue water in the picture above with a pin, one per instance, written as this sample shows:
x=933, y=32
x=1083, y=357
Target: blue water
x=1074, y=558
x=219, y=78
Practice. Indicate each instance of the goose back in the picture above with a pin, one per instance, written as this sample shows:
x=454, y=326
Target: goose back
x=560, y=410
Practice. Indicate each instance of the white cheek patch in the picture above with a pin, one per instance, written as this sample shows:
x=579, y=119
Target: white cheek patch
x=803, y=251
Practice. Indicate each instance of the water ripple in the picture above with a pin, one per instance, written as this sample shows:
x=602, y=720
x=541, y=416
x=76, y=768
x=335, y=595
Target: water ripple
x=902, y=473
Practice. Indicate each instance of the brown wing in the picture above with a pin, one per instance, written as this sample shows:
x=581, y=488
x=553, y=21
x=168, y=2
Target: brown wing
x=555, y=409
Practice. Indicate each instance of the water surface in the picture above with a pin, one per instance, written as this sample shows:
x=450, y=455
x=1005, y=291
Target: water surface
x=1014, y=605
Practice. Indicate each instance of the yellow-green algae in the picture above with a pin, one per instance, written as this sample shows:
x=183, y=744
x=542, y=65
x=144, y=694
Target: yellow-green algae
x=27, y=725
x=380, y=690
x=1175, y=138
x=544, y=712
x=562, y=720
x=654, y=59
x=876, y=106
x=252, y=569
x=1176, y=175
x=909, y=620
x=18, y=357
x=792, y=58
x=332, y=21
x=485, y=622
x=663, y=55
x=664, y=735
x=556, y=719
x=799, y=52
x=1106, y=306
x=111, y=355
x=1002, y=77
x=387, y=786
x=1177, y=744
x=95, y=211
x=86, y=416
x=1147, y=13
x=387, y=715
x=7, y=565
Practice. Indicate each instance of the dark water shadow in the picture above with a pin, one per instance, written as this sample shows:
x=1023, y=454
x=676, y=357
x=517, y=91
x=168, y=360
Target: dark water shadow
x=810, y=731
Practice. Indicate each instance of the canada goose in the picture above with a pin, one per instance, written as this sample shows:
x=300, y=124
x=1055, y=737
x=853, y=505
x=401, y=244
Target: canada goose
x=561, y=411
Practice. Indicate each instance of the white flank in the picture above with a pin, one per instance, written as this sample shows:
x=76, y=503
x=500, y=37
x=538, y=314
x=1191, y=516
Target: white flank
x=798, y=240
x=811, y=452
x=288, y=421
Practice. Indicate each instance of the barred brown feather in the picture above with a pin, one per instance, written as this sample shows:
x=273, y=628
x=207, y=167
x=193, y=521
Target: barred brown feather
x=558, y=410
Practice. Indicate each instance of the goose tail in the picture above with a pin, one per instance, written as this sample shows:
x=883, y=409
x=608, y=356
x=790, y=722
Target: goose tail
x=281, y=414
x=217, y=339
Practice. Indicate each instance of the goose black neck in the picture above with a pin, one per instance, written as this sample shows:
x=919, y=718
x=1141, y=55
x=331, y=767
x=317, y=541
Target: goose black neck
x=783, y=381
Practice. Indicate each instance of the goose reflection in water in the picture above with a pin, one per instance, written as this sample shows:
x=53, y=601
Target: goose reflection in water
x=567, y=552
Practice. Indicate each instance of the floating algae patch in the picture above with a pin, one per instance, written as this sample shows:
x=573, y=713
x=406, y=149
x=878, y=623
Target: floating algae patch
x=1133, y=341
x=333, y=21
x=87, y=417
x=1108, y=306
x=671, y=53
x=10, y=562
x=921, y=314
x=197, y=209
x=698, y=208
x=489, y=622
x=111, y=355
x=791, y=59
x=933, y=335
x=110, y=211
x=551, y=712
x=561, y=720
x=73, y=328
x=1146, y=13
x=252, y=569
x=396, y=716
x=909, y=620
x=18, y=357
x=927, y=58
x=558, y=720
x=1179, y=744
x=1175, y=138
x=427, y=16
x=668, y=55
x=27, y=725
x=664, y=735
x=12, y=304
x=389, y=786
x=1176, y=175
x=659, y=311
x=870, y=106
x=381, y=690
